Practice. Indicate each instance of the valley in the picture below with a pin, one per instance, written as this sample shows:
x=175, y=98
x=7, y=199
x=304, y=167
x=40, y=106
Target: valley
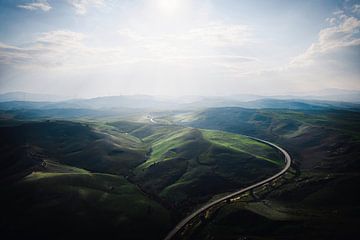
x=67, y=171
x=92, y=170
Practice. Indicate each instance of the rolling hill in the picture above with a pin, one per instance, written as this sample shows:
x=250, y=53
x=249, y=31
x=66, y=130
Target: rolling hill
x=187, y=166
x=319, y=201
x=93, y=171
x=104, y=179
x=58, y=201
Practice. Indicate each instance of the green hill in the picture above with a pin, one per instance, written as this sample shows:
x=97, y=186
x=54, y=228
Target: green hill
x=319, y=201
x=76, y=144
x=114, y=179
x=316, y=138
x=65, y=202
x=190, y=165
x=63, y=179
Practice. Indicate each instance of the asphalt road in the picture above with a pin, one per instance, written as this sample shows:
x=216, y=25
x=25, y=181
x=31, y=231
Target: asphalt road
x=206, y=207
x=151, y=119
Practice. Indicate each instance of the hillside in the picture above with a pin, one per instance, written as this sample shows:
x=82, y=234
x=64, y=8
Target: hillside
x=59, y=201
x=316, y=137
x=319, y=201
x=187, y=166
x=58, y=175
x=86, y=175
x=25, y=145
x=92, y=172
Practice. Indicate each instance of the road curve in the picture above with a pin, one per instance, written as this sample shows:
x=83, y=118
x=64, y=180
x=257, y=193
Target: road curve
x=204, y=208
x=151, y=119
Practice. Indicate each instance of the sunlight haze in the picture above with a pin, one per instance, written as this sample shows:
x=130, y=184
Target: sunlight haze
x=178, y=47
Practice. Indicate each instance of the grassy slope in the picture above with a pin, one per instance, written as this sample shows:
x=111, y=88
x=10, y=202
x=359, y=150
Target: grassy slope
x=184, y=166
x=63, y=201
x=321, y=201
x=43, y=197
x=164, y=147
x=316, y=138
x=313, y=207
x=24, y=147
x=188, y=165
x=242, y=144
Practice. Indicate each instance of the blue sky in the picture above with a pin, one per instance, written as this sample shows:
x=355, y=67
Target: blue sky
x=86, y=48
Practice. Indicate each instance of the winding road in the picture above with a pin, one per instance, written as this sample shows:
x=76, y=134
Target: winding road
x=206, y=207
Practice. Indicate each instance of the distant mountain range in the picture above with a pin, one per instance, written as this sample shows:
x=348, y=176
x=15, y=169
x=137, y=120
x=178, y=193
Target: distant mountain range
x=32, y=97
x=21, y=100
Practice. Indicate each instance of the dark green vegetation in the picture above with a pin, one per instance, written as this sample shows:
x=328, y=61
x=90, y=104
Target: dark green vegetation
x=127, y=180
x=44, y=197
x=73, y=204
x=317, y=138
x=320, y=200
x=186, y=166
x=99, y=176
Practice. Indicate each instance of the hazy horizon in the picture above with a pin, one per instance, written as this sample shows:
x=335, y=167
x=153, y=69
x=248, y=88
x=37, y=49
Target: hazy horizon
x=84, y=49
x=332, y=95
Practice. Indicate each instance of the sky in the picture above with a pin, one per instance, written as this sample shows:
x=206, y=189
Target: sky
x=88, y=48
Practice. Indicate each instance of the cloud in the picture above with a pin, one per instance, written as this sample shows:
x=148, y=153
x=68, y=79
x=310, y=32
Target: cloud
x=216, y=34
x=219, y=35
x=81, y=6
x=356, y=9
x=342, y=35
x=14, y=55
x=196, y=41
x=332, y=60
x=61, y=38
x=189, y=51
x=49, y=49
x=38, y=5
x=202, y=47
x=61, y=49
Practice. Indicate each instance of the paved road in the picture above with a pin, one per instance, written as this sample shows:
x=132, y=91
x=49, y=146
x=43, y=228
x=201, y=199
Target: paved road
x=151, y=119
x=203, y=209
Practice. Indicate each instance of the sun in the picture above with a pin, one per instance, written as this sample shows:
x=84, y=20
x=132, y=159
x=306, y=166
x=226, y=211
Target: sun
x=168, y=6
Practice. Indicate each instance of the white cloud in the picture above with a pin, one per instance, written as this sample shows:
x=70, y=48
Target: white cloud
x=220, y=35
x=343, y=35
x=332, y=60
x=216, y=34
x=49, y=49
x=356, y=9
x=331, y=20
x=38, y=5
x=63, y=38
x=196, y=41
x=166, y=47
x=192, y=51
x=81, y=6
x=66, y=48
x=63, y=49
